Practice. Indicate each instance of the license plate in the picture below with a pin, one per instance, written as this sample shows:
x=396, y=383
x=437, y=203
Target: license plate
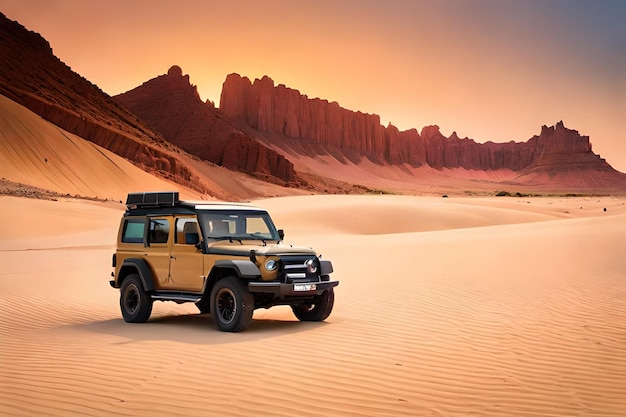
x=304, y=287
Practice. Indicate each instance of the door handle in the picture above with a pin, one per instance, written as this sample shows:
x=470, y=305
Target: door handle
x=172, y=257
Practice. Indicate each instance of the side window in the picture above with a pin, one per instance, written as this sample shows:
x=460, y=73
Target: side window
x=187, y=231
x=133, y=231
x=159, y=230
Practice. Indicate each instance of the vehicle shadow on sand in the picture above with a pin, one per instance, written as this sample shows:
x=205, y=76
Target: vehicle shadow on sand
x=195, y=329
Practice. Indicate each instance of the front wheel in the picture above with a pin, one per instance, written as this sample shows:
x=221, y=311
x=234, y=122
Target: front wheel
x=232, y=305
x=135, y=303
x=316, y=310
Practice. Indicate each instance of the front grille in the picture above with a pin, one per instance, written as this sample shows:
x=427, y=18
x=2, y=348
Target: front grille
x=293, y=269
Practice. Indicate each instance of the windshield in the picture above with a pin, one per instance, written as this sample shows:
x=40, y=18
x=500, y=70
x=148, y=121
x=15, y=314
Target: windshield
x=237, y=225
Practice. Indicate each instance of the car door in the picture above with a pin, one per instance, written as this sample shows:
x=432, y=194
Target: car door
x=157, y=253
x=186, y=260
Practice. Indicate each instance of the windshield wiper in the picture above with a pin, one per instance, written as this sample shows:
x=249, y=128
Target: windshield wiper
x=258, y=236
x=229, y=238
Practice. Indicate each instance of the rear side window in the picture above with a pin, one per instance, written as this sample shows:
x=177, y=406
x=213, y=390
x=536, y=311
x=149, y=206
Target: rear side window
x=133, y=231
x=159, y=230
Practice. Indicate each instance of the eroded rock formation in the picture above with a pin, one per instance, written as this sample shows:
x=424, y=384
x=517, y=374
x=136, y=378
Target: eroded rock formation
x=31, y=75
x=234, y=135
x=284, y=111
x=172, y=107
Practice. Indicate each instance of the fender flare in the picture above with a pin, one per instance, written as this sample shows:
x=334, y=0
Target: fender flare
x=143, y=270
x=326, y=267
x=244, y=268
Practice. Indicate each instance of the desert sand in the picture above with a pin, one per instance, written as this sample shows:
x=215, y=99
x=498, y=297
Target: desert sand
x=459, y=306
x=446, y=307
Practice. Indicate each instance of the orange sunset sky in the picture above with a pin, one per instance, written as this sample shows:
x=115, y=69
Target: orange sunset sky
x=490, y=70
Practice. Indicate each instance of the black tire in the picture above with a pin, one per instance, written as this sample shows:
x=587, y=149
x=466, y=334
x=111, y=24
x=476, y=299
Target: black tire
x=232, y=305
x=317, y=310
x=135, y=303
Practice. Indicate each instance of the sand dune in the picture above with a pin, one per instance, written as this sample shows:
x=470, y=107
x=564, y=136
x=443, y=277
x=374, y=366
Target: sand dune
x=38, y=153
x=446, y=307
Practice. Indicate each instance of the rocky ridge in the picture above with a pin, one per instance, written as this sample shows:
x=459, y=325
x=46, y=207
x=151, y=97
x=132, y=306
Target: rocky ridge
x=236, y=134
x=34, y=77
x=285, y=112
x=170, y=105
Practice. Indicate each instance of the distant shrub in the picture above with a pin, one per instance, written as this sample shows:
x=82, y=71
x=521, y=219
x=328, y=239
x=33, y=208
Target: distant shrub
x=503, y=194
x=382, y=192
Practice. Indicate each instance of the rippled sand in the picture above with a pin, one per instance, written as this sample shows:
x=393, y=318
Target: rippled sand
x=446, y=307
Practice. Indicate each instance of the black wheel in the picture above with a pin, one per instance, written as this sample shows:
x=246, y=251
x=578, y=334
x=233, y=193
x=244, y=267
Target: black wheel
x=316, y=310
x=232, y=305
x=135, y=303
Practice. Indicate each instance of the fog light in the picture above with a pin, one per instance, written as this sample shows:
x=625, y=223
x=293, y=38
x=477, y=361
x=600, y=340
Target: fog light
x=271, y=265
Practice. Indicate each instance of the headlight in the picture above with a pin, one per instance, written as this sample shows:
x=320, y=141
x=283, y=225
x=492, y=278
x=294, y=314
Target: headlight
x=311, y=268
x=271, y=264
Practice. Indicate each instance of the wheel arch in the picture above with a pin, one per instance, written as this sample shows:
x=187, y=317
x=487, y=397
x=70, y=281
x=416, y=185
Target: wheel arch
x=224, y=268
x=140, y=267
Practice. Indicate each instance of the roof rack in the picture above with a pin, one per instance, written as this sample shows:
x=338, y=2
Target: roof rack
x=152, y=199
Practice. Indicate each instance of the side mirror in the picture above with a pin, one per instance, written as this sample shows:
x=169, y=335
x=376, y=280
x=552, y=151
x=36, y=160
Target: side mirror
x=281, y=234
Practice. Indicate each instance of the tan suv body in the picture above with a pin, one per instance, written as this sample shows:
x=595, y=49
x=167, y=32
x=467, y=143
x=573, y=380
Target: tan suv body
x=226, y=258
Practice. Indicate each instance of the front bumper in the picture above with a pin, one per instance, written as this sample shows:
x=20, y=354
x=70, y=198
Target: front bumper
x=281, y=290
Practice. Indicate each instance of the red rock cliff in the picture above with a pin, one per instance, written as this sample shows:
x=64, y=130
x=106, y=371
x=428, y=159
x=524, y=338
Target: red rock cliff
x=171, y=106
x=284, y=111
x=31, y=75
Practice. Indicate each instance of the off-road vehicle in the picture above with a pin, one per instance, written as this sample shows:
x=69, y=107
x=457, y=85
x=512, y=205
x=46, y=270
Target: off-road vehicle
x=227, y=258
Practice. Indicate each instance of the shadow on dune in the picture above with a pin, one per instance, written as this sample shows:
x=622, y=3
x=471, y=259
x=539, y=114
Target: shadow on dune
x=194, y=329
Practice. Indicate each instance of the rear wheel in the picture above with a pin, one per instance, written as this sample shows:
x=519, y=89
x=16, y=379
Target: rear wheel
x=232, y=305
x=316, y=310
x=135, y=303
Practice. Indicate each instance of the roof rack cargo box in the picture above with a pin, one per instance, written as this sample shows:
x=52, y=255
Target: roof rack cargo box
x=153, y=199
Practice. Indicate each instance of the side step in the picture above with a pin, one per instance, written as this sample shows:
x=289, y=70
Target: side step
x=179, y=297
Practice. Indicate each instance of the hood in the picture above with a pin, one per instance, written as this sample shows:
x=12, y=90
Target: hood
x=270, y=249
